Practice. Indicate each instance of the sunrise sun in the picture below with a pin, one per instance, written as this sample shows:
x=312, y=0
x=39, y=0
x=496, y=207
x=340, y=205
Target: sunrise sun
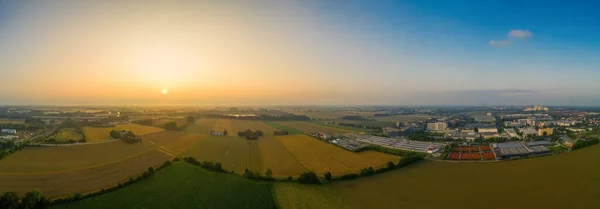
x=164, y=91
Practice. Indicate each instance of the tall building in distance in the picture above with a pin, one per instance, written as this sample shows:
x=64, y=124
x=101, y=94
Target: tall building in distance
x=437, y=126
x=536, y=108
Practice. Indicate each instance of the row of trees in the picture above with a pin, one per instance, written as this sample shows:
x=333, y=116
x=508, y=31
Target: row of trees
x=217, y=167
x=280, y=133
x=126, y=136
x=583, y=143
x=249, y=134
x=31, y=199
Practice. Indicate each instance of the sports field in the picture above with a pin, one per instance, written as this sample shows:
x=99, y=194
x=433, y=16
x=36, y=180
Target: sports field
x=311, y=128
x=44, y=159
x=569, y=180
x=321, y=157
x=300, y=196
x=277, y=158
x=138, y=129
x=67, y=134
x=55, y=184
x=185, y=186
x=235, y=153
x=96, y=134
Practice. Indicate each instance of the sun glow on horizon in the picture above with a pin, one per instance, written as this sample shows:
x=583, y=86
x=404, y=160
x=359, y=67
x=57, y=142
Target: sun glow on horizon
x=164, y=91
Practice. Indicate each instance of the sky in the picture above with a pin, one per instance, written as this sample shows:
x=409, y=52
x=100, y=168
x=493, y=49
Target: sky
x=299, y=52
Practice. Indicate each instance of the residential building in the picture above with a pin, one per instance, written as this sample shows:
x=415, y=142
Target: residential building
x=487, y=130
x=436, y=127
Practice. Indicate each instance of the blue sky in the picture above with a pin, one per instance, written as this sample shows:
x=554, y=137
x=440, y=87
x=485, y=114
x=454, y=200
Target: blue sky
x=343, y=52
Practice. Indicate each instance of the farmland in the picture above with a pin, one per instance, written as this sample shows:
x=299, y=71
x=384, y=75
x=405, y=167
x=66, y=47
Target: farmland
x=138, y=129
x=277, y=158
x=311, y=128
x=185, y=186
x=67, y=134
x=44, y=159
x=235, y=153
x=201, y=126
x=205, y=126
x=10, y=120
x=96, y=134
x=280, y=127
x=299, y=196
x=173, y=142
x=55, y=184
x=336, y=126
x=403, y=118
x=321, y=157
x=474, y=185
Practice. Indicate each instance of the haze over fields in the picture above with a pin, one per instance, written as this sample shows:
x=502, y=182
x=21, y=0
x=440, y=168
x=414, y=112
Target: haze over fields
x=297, y=53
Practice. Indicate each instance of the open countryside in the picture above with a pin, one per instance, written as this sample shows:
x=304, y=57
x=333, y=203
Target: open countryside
x=185, y=186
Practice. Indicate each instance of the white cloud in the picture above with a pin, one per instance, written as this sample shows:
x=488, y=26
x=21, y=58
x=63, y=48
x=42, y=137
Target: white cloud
x=519, y=33
x=512, y=36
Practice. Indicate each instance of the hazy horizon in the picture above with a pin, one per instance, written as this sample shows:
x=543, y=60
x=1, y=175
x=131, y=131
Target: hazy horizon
x=402, y=53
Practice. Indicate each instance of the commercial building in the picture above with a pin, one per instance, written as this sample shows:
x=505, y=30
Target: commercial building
x=518, y=149
x=547, y=131
x=409, y=145
x=436, y=127
x=487, y=130
x=8, y=131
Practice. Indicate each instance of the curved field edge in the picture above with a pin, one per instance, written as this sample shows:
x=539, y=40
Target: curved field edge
x=182, y=185
x=531, y=183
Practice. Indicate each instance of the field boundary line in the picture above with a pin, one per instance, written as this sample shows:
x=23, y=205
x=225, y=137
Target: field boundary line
x=295, y=158
x=80, y=168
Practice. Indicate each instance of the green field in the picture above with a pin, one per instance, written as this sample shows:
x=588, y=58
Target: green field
x=68, y=134
x=280, y=127
x=185, y=186
x=350, y=128
x=569, y=180
x=299, y=196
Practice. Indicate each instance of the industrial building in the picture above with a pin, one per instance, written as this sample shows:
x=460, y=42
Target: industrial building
x=436, y=127
x=518, y=150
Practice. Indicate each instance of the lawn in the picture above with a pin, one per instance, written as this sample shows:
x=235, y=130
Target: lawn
x=97, y=134
x=55, y=184
x=300, y=196
x=185, y=186
x=322, y=157
x=280, y=127
x=138, y=129
x=235, y=153
x=569, y=180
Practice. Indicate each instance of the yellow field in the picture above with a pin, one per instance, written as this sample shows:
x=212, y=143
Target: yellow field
x=300, y=196
x=242, y=125
x=201, y=126
x=277, y=158
x=173, y=142
x=311, y=128
x=97, y=134
x=8, y=120
x=66, y=183
x=321, y=157
x=235, y=153
x=68, y=133
x=43, y=159
x=138, y=129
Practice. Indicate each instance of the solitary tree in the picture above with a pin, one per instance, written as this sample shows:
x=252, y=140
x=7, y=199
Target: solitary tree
x=225, y=132
x=269, y=173
x=218, y=166
x=9, y=200
x=151, y=169
x=171, y=126
x=190, y=119
x=327, y=176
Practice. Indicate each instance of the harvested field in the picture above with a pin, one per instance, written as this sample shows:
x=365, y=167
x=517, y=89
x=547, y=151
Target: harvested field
x=277, y=158
x=173, y=142
x=280, y=127
x=299, y=196
x=223, y=124
x=235, y=153
x=55, y=184
x=201, y=126
x=311, y=128
x=521, y=182
x=321, y=157
x=96, y=134
x=138, y=129
x=44, y=159
x=185, y=186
